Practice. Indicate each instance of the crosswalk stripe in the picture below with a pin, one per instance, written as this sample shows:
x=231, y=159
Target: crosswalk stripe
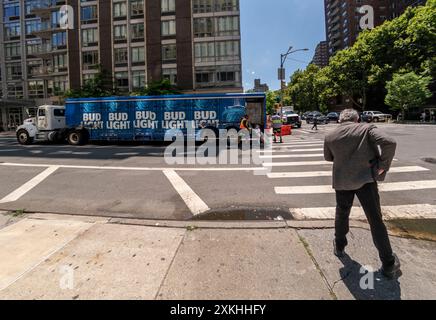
x=313, y=174
x=298, y=143
x=296, y=164
x=297, y=146
x=385, y=187
x=417, y=211
x=285, y=156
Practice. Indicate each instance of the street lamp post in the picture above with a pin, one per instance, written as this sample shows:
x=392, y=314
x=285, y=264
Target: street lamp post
x=282, y=74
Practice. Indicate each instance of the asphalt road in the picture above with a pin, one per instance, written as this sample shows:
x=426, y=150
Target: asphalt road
x=135, y=180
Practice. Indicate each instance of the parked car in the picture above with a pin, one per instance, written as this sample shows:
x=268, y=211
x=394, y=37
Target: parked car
x=322, y=119
x=304, y=116
x=291, y=118
x=333, y=116
x=375, y=116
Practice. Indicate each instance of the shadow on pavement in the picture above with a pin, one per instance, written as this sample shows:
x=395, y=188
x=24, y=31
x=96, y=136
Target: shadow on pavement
x=352, y=275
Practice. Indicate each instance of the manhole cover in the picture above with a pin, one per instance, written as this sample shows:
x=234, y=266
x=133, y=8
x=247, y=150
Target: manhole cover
x=245, y=214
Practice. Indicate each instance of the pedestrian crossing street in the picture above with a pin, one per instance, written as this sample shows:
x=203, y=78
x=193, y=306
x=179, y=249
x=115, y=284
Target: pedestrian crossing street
x=298, y=168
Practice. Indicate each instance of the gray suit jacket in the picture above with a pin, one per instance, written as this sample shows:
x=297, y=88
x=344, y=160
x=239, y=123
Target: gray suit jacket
x=354, y=150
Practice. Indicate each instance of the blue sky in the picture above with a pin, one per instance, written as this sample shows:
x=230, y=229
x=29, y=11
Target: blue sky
x=268, y=28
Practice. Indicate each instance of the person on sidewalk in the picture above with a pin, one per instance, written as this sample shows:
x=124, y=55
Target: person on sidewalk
x=277, y=122
x=357, y=167
x=315, y=124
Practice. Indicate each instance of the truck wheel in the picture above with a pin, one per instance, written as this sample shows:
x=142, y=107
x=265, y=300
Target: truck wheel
x=77, y=138
x=23, y=137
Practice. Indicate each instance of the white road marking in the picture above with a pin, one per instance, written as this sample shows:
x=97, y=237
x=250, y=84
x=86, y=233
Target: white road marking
x=384, y=187
x=296, y=164
x=21, y=191
x=127, y=154
x=313, y=174
x=7, y=164
x=192, y=200
x=284, y=156
x=299, y=150
x=298, y=143
x=280, y=146
x=10, y=150
x=418, y=211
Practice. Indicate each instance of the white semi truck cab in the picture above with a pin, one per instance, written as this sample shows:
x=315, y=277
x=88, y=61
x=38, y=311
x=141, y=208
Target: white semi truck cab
x=49, y=125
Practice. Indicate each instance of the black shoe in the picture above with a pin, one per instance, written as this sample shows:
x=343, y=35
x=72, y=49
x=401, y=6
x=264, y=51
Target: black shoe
x=393, y=270
x=340, y=253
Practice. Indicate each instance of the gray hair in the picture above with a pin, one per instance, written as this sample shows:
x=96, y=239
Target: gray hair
x=349, y=115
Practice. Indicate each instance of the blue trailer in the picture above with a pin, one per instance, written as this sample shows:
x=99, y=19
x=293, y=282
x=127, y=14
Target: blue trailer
x=150, y=118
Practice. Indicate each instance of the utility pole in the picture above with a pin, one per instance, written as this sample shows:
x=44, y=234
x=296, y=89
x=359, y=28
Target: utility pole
x=282, y=72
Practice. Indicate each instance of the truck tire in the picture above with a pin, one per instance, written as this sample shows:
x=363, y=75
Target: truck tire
x=78, y=137
x=24, y=138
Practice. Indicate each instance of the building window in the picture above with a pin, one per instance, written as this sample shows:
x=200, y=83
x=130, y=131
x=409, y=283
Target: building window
x=168, y=6
x=202, y=6
x=12, y=30
x=138, y=78
x=122, y=80
x=12, y=50
x=203, y=27
x=90, y=60
x=228, y=26
x=15, y=91
x=89, y=37
x=120, y=9
x=169, y=53
x=137, y=31
x=138, y=55
x=59, y=40
x=170, y=74
x=205, y=52
x=169, y=28
x=13, y=71
x=120, y=32
x=227, y=5
x=60, y=62
x=88, y=14
x=32, y=26
x=10, y=11
x=121, y=56
x=137, y=8
x=227, y=50
x=36, y=89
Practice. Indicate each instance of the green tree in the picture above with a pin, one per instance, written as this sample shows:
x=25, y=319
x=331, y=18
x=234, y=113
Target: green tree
x=308, y=89
x=407, y=90
x=271, y=100
x=158, y=88
x=99, y=86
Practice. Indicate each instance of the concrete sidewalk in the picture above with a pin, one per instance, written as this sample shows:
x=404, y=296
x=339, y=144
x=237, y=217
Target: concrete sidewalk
x=71, y=257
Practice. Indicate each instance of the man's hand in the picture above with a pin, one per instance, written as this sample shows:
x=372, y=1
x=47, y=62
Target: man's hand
x=381, y=172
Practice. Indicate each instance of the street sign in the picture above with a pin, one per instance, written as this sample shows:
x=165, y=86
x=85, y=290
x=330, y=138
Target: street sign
x=282, y=74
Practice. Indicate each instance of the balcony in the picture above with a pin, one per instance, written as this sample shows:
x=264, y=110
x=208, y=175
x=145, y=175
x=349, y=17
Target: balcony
x=43, y=8
x=46, y=29
x=47, y=50
x=48, y=71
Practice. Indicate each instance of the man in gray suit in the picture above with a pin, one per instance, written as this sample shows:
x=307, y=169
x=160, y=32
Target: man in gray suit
x=361, y=155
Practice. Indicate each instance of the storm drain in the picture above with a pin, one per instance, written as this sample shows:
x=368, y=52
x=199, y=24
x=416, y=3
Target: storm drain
x=245, y=214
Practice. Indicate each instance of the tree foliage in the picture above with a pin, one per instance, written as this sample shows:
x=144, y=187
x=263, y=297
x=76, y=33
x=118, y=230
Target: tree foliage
x=99, y=86
x=407, y=90
x=361, y=72
x=158, y=88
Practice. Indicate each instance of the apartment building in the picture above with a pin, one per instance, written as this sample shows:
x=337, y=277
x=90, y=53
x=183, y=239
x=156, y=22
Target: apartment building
x=343, y=18
x=321, y=56
x=196, y=44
